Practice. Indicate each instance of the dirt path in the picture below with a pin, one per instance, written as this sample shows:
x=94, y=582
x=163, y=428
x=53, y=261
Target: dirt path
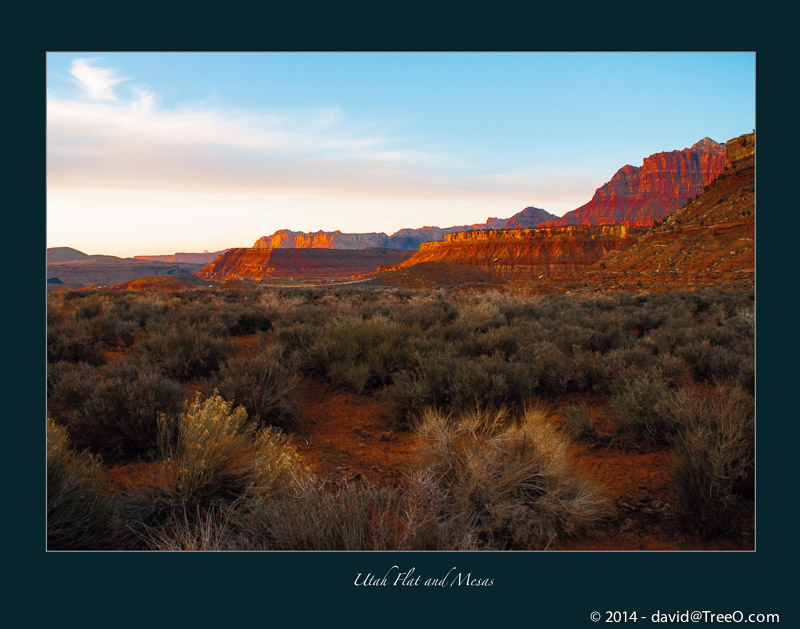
x=345, y=436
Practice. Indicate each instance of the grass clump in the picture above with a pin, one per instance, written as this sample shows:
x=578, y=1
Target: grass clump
x=507, y=483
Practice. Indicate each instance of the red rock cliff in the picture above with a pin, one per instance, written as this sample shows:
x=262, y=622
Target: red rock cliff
x=642, y=195
x=710, y=242
x=528, y=253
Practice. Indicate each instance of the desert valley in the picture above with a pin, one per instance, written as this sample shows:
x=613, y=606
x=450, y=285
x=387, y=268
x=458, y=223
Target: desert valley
x=583, y=382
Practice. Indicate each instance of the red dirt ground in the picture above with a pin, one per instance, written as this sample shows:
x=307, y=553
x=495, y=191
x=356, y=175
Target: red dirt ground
x=348, y=436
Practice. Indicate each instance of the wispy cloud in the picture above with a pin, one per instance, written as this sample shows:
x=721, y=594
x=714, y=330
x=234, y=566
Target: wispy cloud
x=130, y=143
x=97, y=82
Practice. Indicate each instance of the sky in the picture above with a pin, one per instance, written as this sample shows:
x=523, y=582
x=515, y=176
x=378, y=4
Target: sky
x=157, y=153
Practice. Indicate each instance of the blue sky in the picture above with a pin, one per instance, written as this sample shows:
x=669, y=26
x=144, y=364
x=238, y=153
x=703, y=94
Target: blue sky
x=164, y=152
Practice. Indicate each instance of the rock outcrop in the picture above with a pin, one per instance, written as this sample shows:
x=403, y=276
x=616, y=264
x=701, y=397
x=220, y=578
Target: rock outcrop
x=527, y=254
x=645, y=194
x=302, y=263
x=741, y=147
x=160, y=282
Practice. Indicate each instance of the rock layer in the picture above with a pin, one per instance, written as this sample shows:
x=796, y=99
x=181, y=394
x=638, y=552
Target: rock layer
x=645, y=194
x=527, y=254
x=192, y=258
x=257, y=264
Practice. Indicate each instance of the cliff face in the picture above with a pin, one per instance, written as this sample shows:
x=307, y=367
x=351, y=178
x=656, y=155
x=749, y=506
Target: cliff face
x=257, y=264
x=645, y=194
x=710, y=242
x=401, y=240
x=527, y=253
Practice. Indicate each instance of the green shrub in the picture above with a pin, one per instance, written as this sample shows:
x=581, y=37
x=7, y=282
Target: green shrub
x=118, y=419
x=578, y=425
x=251, y=321
x=70, y=385
x=453, y=383
x=263, y=385
x=709, y=361
x=79, y=516
x=73, y=343
x=361, y=354
x=186, y=352
x=641, y=409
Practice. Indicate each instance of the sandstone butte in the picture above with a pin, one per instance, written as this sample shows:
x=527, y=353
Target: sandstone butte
x=645, y=194
x=709, y=242
x=527, y=254
x=257, y=264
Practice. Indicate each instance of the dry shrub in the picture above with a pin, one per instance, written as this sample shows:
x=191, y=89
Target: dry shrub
x=714, y=474
x=213, y=458
x=478, y=316
x=213, y=452
x=507, y=483
x=316, y=516
x=209, y=530
x=79, y=516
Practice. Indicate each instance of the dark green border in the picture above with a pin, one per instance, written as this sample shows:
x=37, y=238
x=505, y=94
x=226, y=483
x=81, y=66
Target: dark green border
x=538, y=589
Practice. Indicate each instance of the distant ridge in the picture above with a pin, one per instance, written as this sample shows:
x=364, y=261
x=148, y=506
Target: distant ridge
x=402, y=240
x=64, y=254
